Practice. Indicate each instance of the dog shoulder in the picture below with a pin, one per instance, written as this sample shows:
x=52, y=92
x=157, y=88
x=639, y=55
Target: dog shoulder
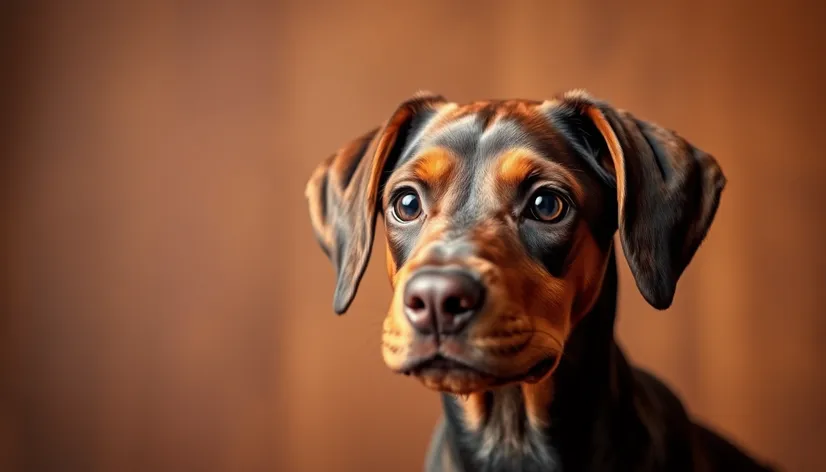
x=656, y=398
x=665, y=420
x=672, y=430
x=722, y=454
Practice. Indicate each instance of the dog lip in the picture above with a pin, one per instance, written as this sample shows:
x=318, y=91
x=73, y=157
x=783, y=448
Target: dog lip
x=440, y=362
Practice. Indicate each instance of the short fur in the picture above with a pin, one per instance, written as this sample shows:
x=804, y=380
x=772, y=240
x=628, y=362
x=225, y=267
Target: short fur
x=547, y=388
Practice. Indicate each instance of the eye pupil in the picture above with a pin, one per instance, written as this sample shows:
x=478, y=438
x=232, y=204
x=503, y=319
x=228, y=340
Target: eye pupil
x=408, y=207
x=409, y=201
x=546, y=206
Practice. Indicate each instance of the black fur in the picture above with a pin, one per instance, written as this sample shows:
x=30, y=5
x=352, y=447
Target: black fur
x=658, y=192
x=606, y=415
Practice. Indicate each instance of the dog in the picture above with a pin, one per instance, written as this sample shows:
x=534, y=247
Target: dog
x=500, y=218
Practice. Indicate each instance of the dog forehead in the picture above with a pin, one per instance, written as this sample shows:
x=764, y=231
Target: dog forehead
x=481, y=129
x=493, y=142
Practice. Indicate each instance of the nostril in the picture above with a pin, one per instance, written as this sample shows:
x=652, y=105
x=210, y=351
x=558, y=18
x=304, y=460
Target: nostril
x=418, y=306
x=456, y=305
x=415, y=303
x=442, y=300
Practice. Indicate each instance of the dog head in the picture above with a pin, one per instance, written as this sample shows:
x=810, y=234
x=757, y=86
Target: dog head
x=500, y=218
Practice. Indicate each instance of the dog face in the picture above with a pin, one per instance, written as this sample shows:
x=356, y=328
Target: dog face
x=500, y=218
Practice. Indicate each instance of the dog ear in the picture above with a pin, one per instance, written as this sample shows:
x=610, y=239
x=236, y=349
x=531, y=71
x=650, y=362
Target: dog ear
x=668, y=191
x=343, y=192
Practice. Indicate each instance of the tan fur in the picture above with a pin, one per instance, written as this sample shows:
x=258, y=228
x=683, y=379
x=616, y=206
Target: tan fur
x=586, y=273
x=537, y=397
x=474, y=410
x=516, y=164
x=617, y=155
x=435, y=167
x=529, y=313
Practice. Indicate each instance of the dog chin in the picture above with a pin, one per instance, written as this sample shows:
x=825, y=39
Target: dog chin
x=463, y=380
x=459, y=382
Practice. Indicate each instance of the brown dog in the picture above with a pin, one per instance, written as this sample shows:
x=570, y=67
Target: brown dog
x=500, y=217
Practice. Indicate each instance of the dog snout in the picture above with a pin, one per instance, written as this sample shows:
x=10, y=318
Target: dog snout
x=443, y=301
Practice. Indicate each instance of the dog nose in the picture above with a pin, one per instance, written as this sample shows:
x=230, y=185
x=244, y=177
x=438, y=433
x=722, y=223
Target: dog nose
x=443, y=301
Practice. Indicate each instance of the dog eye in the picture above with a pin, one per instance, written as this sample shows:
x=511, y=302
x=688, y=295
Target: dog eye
x=547, y=206
x=407, y=206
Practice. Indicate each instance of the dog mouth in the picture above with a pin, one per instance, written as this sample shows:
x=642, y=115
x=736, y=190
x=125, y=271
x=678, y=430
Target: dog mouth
x=455, y=376
x=443, y=374
x=439, y=364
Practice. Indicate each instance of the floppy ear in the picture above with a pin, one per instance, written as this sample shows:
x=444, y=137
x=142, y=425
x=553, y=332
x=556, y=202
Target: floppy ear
x=343, y=192
x=668, y=191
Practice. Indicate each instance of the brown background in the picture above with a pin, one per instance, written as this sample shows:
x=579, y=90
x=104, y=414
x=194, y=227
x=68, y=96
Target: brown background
x=165, y=308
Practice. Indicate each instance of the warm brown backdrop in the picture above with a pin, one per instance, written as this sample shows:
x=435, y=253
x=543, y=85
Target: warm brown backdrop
x=165, y=308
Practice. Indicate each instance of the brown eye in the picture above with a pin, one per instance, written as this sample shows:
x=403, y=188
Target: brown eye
x=407, y=206
x=547, y=206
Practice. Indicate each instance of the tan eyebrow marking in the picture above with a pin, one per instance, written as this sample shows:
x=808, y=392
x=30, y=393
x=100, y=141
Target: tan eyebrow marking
x=515, y=165
x=433, y=167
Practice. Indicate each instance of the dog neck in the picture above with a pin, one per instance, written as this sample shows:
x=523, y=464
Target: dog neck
x=572, y=404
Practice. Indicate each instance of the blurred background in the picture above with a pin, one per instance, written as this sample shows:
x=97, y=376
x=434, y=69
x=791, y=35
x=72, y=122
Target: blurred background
x=164, y=306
